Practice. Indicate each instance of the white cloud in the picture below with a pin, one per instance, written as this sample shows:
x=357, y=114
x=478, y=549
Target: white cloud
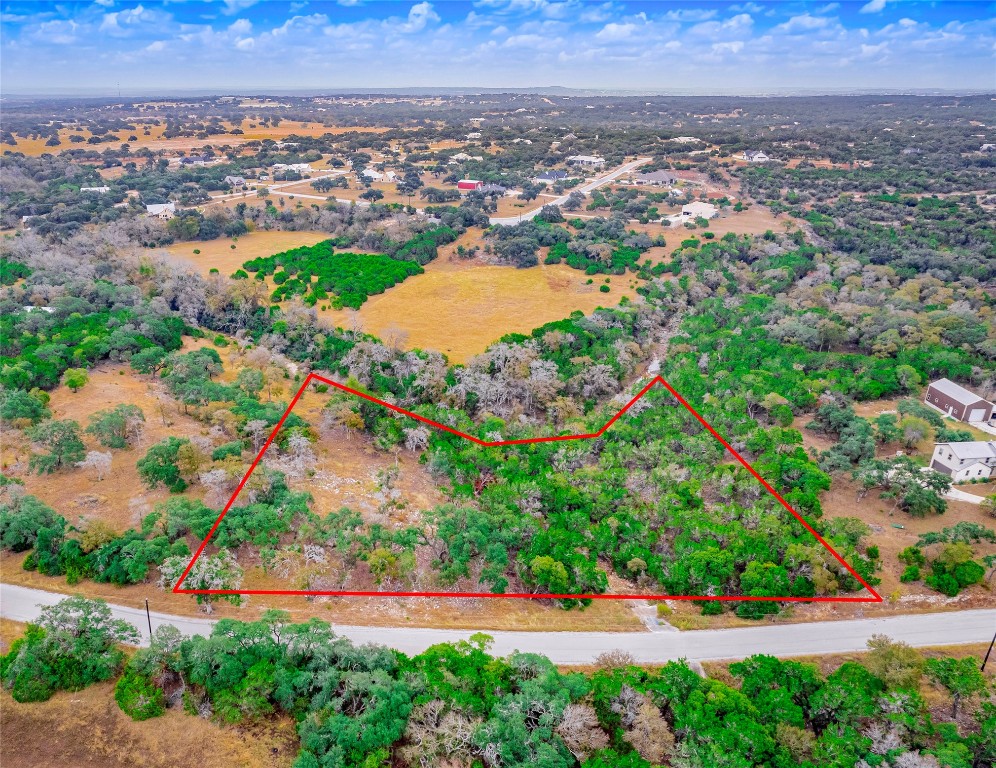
x=419, y=17
x=240, y=27
x=803, y=23
x=613, y=31
x=245, y=44
x=234, y=6
x=691, y=14
x=57, y=31
x=875, y=6
x=156, y=46
x=869, y=51
x=734, y=46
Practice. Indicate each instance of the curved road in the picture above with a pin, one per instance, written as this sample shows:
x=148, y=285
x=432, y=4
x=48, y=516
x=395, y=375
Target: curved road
x=23, y=604
x=585, y=188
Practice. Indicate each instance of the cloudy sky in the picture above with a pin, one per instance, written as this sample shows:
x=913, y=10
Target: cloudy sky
x=709, y=47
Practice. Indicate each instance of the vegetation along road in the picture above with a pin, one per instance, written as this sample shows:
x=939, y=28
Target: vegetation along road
x=22, y=604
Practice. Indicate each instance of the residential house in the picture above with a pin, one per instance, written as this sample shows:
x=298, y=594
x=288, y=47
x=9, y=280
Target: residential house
x=235, y=181
x=386, y=176
x=196, y=160
x=472, y=136
x=656, y=179
x=493, y=189
x=912, y=151
x=755, y=156
x=697, y=210
x=569, y=137
x=469, y=185
x=97, y=190
x=955, y=401
x=164, y=211
x=965, y=461
x=686, y=139
x=296, y=167
x=588, y=161
x=987, y=148
x=550, y=177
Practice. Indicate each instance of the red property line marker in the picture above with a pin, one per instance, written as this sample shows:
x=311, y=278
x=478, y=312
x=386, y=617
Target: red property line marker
x=874, y=598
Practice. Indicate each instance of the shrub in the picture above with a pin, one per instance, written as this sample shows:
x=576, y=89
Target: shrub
x=139, y=697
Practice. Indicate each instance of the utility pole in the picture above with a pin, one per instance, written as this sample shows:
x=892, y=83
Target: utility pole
x=148, y=617
x=983, y=668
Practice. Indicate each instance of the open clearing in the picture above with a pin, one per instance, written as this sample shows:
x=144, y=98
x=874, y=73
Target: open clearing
x=155, y=140
x=86, y=729
x=219, y=254
x=461, y=306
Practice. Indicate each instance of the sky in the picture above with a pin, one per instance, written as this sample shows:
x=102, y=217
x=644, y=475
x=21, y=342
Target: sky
x=705, y=47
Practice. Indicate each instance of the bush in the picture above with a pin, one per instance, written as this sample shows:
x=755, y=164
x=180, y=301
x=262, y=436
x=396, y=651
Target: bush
x=911, y=573
x=139, y=697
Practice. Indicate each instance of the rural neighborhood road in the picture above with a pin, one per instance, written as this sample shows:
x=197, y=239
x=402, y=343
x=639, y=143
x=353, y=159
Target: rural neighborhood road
x=954, y=628
x=585, y=188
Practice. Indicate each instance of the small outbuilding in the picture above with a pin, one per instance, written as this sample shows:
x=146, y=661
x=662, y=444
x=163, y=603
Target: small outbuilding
x=469, y=185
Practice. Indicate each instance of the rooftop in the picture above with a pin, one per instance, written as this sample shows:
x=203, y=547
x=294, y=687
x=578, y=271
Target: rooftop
x=974, y=450
x=955, y=391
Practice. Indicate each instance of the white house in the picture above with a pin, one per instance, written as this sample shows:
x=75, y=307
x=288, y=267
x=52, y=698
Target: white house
x=97, y=190
x=755, y=156
x=965, y=461
x=589, y=161
x=473, y=135
x=387, y=176
x=696, y=210
x=165, y=211
x=686, y=139
x=298, y=167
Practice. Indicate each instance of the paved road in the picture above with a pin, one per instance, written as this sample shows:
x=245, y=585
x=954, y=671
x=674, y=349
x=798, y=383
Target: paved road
x=585, y=188
x=22, y=604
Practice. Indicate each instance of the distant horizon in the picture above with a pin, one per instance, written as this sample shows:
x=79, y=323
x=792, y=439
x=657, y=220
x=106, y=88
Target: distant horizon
x=701, y=47
x=249, y=91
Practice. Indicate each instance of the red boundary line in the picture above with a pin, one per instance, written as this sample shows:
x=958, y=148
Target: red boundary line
x=876, y=597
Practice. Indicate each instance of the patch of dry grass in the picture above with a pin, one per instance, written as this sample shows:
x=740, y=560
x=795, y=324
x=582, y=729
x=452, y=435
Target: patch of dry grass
x=86, y=729
x=219, y=254
x=459, y=307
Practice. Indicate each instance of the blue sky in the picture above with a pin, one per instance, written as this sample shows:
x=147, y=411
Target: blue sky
x=709, y=47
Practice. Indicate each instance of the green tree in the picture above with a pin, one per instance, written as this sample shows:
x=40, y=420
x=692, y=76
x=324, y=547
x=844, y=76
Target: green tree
x=75, y=378
x=960, y=677
x=62, y=441
x=117, y=427
x=19, y=408
x=895, y=663
x=75, y=644
x=159, y=466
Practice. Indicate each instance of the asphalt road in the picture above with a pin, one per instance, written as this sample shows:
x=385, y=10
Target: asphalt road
x=953, y=628
x=585, y=188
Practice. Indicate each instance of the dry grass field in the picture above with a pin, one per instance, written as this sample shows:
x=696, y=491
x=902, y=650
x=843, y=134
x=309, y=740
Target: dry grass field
x=459, y=307
x=219, y=254
x=86, y=729
x=120, y=499
x=155, y=141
